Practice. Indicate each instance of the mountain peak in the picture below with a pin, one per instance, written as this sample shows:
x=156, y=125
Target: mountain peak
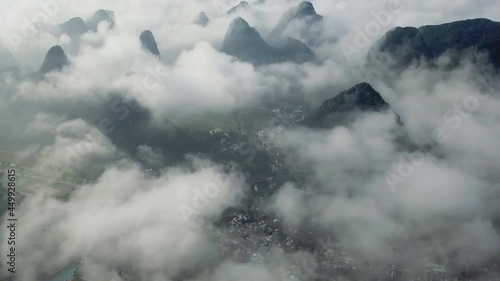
x=240, y=28
x=243, y=41
x=100, y=16
x=243, y=5
x=306, y=8
x=365, y=87
x=73, y=27
x=76, y=20
x=55, y=60
x=202, y=19
x=239, y=24
x=102, y=13
x=303, y=9
x=305, y=15
x=341, y=108
x=149, y=43
x=55, y=51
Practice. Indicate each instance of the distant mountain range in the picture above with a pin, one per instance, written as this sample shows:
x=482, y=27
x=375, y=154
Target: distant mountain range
x=56, y=59
x=282, y=45
x=398, y=48
x=243, y=5
x=245, y=43
x=77, y=26
x=404, y=45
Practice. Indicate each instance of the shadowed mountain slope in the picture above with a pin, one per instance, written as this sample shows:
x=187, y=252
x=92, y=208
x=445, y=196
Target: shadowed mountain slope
x=402, y=46
x=342, y=109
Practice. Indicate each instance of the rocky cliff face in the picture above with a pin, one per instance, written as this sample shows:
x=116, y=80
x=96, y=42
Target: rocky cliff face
x=55, y=60
x=148, y=42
